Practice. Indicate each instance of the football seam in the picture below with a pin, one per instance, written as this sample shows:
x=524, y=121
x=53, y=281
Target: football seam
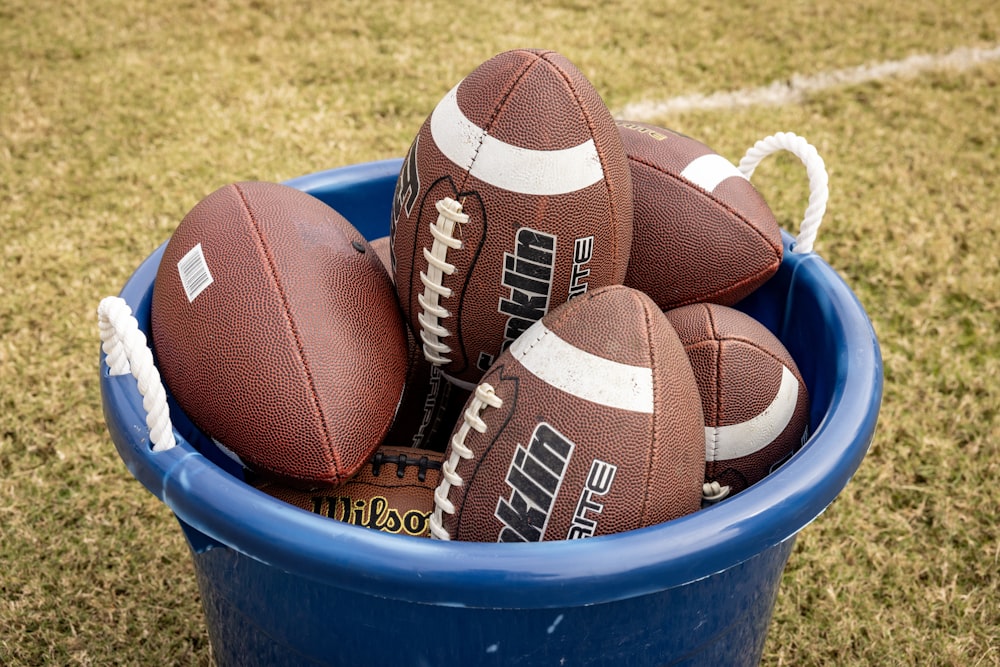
x=615, y=250
x=459, y=329
x=417, y=261
x=718, y=375
x=653, y=451
x=713, y=457
x=772, y=355
x=753, y=344
x=713, y=198
x=313, y=394
x=509, y=406
x=415, y=285
x=488, y=125
x=419, y=486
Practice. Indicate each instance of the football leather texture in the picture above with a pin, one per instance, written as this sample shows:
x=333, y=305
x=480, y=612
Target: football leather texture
x=393, y=492
x=702, y=232
x=264, y=316
x=589, y=424
x=755, y=401
x=521, y=173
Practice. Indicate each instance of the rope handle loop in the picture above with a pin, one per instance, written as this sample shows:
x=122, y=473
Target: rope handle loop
x=815, y=170
x=127, y=352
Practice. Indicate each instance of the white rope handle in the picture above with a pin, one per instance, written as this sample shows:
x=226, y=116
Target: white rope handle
x=126, y=350
x=815, y=170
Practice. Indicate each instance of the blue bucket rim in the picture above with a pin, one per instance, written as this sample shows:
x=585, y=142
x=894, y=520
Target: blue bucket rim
x=554, y=574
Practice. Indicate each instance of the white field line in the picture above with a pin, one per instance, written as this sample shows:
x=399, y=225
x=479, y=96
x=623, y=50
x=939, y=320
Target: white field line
x=795, y=88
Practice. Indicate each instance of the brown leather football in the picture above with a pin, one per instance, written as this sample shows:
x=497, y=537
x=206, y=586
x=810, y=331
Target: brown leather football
x=384, y=253
x=589, y=424
x=703, y=233
x=430, y=404
x=264, y=313
x=514, y=197
x=755, y=402
x=393, y=493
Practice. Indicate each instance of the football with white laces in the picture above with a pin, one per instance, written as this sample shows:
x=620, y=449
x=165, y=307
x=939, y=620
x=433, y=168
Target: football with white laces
x=755, y=401
x=703, y=233
x=514, y=197
x=589, y=424
x=430, y=404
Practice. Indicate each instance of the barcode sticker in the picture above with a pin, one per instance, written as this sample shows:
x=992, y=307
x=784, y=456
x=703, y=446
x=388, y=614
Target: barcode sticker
x=195, y=276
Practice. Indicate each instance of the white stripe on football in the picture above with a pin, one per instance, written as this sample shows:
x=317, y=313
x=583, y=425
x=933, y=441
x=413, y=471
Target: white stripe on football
x=709, y=170
x=523, y=170
x=738, y=440
x=582, y=374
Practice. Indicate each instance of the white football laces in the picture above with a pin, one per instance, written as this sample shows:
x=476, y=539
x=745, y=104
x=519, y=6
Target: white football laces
x=713, y=492
x=443, y=231
x=484, y=397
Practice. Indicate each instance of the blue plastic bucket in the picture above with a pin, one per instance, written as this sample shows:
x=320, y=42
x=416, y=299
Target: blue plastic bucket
x=282, y=586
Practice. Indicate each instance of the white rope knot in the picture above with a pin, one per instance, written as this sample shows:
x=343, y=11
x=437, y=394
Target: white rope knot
x=443, y=231
x=126, y=351
x=815, y=171
x=484, y=397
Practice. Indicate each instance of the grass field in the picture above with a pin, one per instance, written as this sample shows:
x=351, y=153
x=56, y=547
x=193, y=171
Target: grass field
x=117, y=117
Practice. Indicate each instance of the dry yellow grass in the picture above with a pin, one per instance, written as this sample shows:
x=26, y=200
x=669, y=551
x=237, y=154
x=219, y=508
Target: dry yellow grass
x=116, y=117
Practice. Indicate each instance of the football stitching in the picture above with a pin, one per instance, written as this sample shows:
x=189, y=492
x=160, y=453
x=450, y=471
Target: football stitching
x=615, y=250
x=450, y=218
x=415, y=273
x=402, y=462
x=313, y=394
x=492, y=119
x=510, y=386
x=653, y=451
x=464, y=291
x=484, y=397
x=711, y=196
x=718, y=384
x=434, y=349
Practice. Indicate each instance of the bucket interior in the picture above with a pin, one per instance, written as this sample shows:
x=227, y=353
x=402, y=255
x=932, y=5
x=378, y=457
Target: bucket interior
x=807, y=305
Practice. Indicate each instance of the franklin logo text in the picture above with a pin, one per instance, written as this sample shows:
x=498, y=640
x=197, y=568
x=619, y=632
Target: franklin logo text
x=534, y=478
x=599, y=481
x=583, y=250
x=528, y=274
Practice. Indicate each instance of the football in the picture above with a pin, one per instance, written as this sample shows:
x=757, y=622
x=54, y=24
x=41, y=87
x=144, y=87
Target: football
x=430, y=404
x=755, y=401
x=383, y=252
x=393, y=492
x=702, y=232
x=589, y=424
x=514, y=197
x=262, y=316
